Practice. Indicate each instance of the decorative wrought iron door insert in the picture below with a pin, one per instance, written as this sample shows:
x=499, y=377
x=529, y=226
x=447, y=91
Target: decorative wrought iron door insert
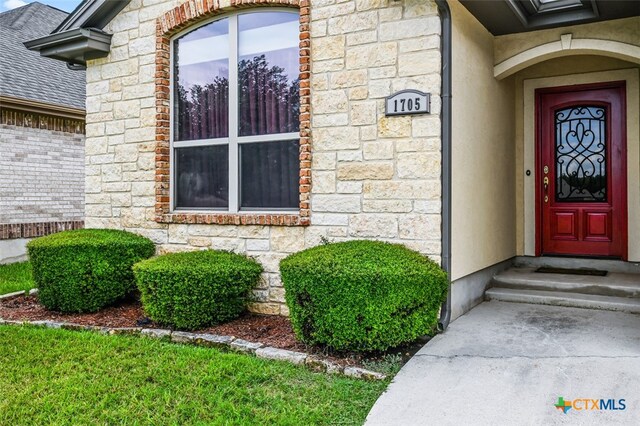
x=581, y=154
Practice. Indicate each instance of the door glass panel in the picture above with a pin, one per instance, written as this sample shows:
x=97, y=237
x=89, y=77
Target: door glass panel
x=581, y=154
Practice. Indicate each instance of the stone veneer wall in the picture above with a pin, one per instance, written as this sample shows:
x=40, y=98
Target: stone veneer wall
x=372, y=176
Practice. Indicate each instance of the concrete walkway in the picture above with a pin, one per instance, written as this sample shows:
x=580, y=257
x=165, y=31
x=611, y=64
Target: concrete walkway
x=507, y=363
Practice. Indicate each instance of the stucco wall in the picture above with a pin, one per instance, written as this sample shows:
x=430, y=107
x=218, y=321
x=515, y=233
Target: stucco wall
x=483, y=194
x=372, y=176
x=623, y=30
x=41, y=175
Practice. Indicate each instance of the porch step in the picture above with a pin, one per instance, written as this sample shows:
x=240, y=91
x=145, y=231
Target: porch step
x=610, y=265
x=613, y=284
x=561, y=298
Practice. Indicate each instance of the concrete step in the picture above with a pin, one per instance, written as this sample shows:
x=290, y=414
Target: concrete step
x=559, y=298
x=610, y=265
x=613, y=284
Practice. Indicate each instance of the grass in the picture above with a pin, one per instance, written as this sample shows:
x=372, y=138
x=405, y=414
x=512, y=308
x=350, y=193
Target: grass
x=67, y=377
x=15, y=277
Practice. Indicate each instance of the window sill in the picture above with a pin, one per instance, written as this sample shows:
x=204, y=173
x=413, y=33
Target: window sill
x=278, y=219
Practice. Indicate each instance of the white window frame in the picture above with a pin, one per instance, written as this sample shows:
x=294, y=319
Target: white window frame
x=233, y=140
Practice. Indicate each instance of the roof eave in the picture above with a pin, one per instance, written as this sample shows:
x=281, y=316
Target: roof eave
x=92, y=14
x=39, y=107
x=75, y=46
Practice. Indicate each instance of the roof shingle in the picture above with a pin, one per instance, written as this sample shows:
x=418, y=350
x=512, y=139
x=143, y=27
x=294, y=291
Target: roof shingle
x=27, y=75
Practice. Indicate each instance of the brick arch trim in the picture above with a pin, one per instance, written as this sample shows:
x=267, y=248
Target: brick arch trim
x=189, y=14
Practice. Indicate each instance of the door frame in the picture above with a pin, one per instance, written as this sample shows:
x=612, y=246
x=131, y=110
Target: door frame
x=538, y=93
x=525, y=151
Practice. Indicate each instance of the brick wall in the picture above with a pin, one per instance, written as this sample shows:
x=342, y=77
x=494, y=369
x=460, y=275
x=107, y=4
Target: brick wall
x=371, y=176
x=41, y=175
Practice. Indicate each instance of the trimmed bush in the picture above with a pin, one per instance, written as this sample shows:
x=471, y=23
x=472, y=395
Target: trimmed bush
x=362, y=295
x=86, y=269
x=196, y=289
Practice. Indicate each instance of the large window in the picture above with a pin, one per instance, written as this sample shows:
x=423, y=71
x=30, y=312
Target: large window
x=235, y=124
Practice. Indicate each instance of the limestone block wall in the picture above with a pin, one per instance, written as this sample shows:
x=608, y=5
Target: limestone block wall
x=372, y=176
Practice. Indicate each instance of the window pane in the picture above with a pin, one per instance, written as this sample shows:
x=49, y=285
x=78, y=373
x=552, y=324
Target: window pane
x=269, y=174
x=201, y=88
x=268, y=73
x=581, y=154
x=202, y=176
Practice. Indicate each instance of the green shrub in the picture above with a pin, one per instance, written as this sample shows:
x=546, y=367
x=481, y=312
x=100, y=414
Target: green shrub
x=86, y=269
x=362, y=295
x=196, y=289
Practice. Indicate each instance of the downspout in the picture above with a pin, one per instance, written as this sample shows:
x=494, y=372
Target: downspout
x=445, y=48
x=76, y=67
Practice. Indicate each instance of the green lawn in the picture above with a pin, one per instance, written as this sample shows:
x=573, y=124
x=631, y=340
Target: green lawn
x=15, y=277
x=66, y=377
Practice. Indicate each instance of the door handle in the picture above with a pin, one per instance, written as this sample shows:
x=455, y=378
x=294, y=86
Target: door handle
x=545, y=182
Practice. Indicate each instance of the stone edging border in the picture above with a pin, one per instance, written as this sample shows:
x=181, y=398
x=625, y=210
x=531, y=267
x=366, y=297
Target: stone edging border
x=260, y=350
x=18, y=294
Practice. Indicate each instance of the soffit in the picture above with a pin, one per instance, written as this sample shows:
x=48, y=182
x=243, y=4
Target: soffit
x=502, y=17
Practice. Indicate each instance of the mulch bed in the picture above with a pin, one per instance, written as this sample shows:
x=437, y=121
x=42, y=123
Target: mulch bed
x=269, y=330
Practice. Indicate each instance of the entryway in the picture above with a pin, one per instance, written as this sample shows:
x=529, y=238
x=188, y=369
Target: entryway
x=582, y=283
x=581, y=190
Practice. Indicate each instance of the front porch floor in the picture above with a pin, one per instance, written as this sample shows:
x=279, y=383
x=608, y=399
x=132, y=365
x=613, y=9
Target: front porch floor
x=508, y=363
x=616, y=291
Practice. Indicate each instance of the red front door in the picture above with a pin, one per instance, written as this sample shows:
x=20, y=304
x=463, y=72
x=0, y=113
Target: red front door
x=581, y=175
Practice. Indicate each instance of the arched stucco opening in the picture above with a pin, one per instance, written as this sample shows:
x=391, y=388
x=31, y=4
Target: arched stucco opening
x=566, y=46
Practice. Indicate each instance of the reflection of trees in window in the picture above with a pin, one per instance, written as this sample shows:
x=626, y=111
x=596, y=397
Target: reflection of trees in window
x=268, y=103
x=254, y=164
x=203, y=111
x=585, y=187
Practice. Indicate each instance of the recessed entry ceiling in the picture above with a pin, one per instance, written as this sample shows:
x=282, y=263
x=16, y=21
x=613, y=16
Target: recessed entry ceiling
x=516, y=16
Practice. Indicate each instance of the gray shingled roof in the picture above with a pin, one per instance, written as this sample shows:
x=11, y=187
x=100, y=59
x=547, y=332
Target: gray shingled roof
x=27, y=75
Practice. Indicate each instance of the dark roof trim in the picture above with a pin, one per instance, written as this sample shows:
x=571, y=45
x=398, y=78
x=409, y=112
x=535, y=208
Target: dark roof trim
x=75, y=46
x=535, y=14
x=38, y=107
x=92, y=14
x=502, y=17
x=79, y=37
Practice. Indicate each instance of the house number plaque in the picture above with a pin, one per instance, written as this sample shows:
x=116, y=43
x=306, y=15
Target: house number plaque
x=407, y=102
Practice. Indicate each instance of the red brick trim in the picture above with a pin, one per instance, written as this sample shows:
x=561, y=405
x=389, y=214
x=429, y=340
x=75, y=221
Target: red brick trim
x=11, y=231
x=179, y=18
x=41, y=121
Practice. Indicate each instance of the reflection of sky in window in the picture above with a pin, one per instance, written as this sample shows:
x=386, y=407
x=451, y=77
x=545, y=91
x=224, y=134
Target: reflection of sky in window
x=274, y=34
x=202, y=55
x=285, y=58
x=247, y=21
x=216, y=28
x=203, y=73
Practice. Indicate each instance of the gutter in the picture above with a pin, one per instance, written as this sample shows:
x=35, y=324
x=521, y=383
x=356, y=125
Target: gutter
x=74, y=46
x=80, y=37
x=445, y=48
